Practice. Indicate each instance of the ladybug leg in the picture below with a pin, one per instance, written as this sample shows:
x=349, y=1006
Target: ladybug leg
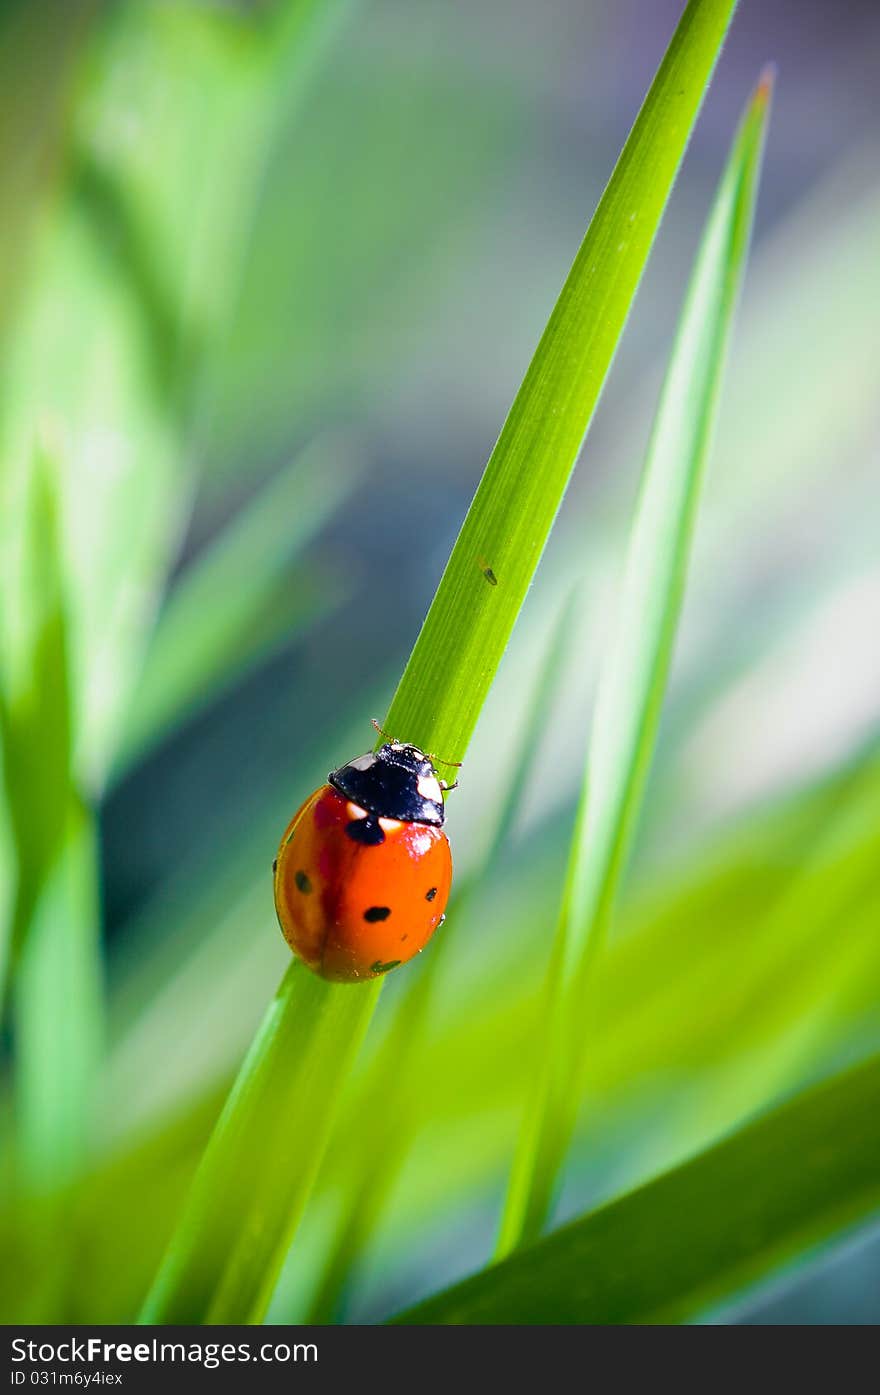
x=444, y=785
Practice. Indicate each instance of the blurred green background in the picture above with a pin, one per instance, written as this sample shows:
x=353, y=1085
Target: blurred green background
x=272, y=274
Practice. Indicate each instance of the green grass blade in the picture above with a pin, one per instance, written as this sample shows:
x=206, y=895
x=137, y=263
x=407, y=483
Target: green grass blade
x=700, y=1232
x=215, y=1269
x=7, y=880
x=454, y=660
x=394, y=1076
x=261, y=1162
x=56, y=990
x=58, y=1019
x=35, y=701
x=633, y=681
x=232, y=604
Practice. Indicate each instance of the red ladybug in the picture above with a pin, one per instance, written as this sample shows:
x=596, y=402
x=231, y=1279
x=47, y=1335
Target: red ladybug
x=364, y=869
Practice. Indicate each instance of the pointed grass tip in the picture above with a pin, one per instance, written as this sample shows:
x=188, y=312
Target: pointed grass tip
x=766, y=83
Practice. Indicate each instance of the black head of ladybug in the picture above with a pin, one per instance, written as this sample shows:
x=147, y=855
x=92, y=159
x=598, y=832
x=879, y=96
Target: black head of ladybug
x=396, y=782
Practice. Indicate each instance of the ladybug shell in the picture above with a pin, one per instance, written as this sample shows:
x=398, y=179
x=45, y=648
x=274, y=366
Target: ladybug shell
x=358, y=894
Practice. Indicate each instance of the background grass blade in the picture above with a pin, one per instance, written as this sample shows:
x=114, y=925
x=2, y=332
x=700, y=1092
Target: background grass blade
x=58, y=1020
x=669, y=1249
x=238, y=598
x=632, y=684
x=215, y=1269
x=487, y=576
x=55, y=992
x=35, y=699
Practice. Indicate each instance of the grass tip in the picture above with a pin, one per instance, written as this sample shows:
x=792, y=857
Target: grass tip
x=766, y=83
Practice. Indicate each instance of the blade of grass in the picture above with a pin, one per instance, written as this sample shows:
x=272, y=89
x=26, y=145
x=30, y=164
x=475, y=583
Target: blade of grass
x=7, y=880
x=35, y=702
x=58, y=1016
x=258, y=1170
x=394, y=1075
x=632, y=684
x=499, y=546
x=55, y=962
x=213, y=625
x=697, y=1233
x=275, y=1108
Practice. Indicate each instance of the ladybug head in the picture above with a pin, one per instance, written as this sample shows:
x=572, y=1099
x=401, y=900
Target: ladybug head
x=396, y=782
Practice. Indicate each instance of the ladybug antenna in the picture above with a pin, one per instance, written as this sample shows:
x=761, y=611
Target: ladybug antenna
x=382, y=732
x=456, y=763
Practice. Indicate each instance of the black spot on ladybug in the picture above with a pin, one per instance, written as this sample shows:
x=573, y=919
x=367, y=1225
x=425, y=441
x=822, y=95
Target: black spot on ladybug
x=380, y=968
x=368, y=831
x=429, y=895
x=303, y=883
x=377, y=913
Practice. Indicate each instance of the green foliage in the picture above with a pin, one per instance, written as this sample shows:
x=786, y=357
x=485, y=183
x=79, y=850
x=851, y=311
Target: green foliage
x=226, y=235
x=58, y=1018
x=665, y=1251
x=633, y=680
x=512, y=504
x=35, y=700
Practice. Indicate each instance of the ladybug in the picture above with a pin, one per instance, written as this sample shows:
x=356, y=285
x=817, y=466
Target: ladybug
x=364, y=868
